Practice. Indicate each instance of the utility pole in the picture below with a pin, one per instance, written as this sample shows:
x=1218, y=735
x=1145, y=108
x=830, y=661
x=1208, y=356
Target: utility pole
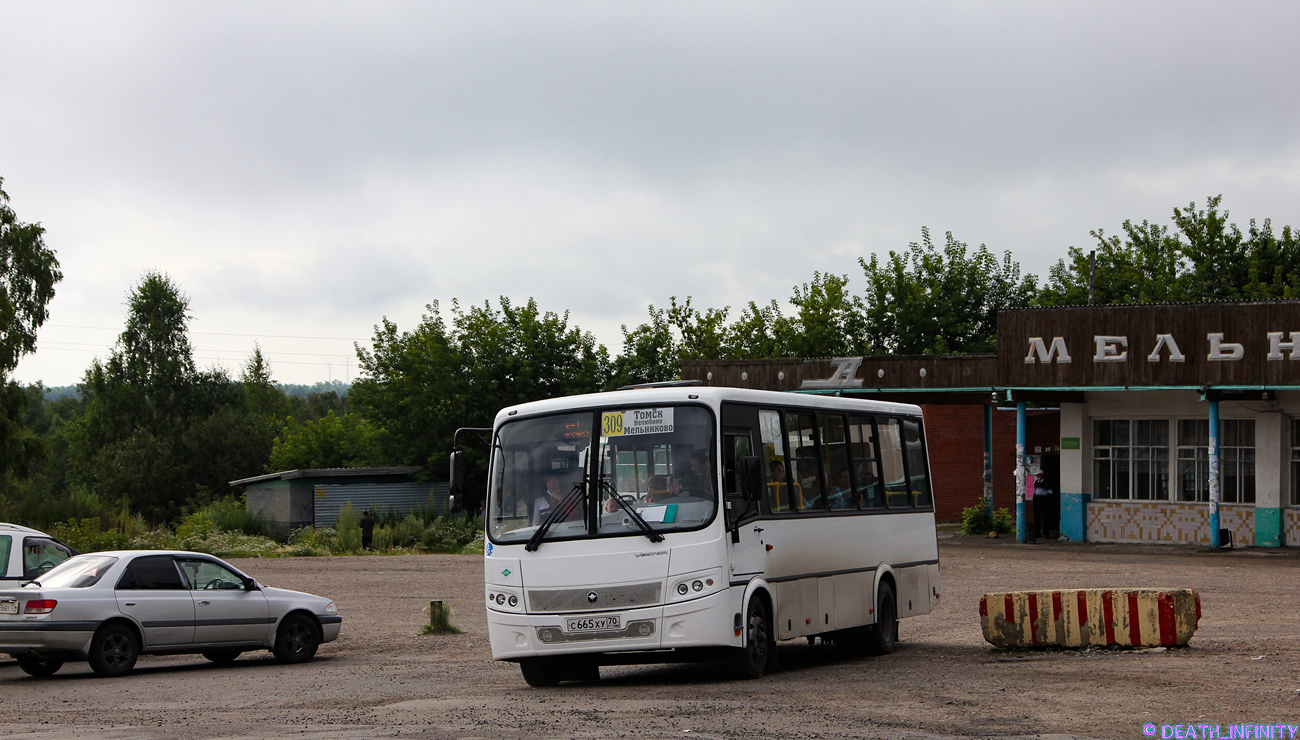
x=1092, y=277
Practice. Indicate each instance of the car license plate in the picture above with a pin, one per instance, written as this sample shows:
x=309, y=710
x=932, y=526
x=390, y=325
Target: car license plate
x=592, y=624
x=8, y=607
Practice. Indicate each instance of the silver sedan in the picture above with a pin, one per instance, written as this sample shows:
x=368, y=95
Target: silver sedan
x=109, y=608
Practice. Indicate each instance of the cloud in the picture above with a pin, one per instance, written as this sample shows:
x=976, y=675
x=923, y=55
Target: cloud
x=305, y=170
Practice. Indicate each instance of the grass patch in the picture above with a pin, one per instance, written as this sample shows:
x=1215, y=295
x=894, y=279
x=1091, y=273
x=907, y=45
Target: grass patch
x=440, y=621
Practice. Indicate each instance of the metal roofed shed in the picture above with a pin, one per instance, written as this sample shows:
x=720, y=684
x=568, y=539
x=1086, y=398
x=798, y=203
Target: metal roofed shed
x=292, y=499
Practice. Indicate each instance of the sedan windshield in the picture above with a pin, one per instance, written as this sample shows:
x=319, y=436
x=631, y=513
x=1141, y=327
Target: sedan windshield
x=77, y=572
x=657, y=461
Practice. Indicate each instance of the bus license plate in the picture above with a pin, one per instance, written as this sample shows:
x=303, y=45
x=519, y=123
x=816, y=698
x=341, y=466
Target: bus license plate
x=592, y=624
x=8, y=607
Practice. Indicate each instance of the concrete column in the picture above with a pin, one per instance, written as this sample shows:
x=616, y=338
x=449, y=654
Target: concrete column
x=1272, y=456
x=1074, y=463
x=1020, y=472
x=1214, y=474
x=988, y=457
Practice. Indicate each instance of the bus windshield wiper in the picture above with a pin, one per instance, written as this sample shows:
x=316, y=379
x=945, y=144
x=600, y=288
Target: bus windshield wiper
x=561, y=512
x=646, y=529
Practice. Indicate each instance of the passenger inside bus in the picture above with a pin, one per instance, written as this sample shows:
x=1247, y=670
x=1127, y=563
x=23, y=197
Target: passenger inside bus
x=550, y=497
x=779, y=489
x=842, y=493
x=656, y=488
x=697, y=480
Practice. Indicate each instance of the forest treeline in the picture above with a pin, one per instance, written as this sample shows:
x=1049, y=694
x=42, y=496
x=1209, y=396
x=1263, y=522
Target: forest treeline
x=151, y=434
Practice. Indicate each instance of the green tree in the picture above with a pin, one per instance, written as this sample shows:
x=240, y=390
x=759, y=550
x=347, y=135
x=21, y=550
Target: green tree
x=830, y=321
x=158, y=432
x=760, y=332
x=421, y=385
x=51, y=423
x=347, y=441
x=28, y=274
x=653, y=352
x=928, y=300
x=1202, y=257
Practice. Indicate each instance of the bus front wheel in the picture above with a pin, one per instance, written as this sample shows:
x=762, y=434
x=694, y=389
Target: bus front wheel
x=884, y=633
x=751, y=660
x=541, y=673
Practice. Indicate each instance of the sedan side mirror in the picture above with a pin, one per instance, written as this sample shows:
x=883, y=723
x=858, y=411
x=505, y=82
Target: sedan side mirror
x=250, y=585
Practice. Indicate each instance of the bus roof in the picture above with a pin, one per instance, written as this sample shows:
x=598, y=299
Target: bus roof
x=710, y=395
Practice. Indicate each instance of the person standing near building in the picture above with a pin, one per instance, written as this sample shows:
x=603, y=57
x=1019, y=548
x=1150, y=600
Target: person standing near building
x=1044, y=503
x=367, y=529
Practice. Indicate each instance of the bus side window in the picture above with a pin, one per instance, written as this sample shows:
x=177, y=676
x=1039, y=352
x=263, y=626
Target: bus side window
x=735, y=449
x=838, y=481
x=778, y=486
x=805, y=463
x=916, y=467
x=866, y=470
x=891, y=464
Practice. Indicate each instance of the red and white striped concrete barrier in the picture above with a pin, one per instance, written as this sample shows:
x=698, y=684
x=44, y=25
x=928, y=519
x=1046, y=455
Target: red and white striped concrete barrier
x=1129, y=617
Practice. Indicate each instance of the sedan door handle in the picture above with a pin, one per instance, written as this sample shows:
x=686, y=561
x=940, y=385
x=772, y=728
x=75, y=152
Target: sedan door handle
x=205, y=603
x=128, y=603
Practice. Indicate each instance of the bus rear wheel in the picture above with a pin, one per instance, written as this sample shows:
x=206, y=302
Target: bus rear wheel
x=884, y=633
x=751, y=660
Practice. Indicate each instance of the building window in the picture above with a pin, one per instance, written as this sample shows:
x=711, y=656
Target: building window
x=1193, y=459
x=1236, y=460
x=1295, y=462
x=1130, y=459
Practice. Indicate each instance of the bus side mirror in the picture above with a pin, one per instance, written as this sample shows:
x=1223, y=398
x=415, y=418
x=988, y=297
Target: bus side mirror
x=456, y=482
x=751, y=476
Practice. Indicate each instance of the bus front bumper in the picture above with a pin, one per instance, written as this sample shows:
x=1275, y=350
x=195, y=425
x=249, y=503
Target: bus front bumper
x=704, y=622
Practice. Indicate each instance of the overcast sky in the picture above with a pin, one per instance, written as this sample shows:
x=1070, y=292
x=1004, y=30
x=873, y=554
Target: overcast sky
x=305, y=169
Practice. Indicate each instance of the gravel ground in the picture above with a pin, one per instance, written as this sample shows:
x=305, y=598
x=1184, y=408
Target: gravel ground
x=381, y=678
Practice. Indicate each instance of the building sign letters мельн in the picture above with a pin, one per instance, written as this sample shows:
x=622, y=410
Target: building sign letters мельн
x=1115, y=348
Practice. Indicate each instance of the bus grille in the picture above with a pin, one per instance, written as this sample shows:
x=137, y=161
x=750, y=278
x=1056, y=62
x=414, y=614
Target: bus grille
x=607, y=597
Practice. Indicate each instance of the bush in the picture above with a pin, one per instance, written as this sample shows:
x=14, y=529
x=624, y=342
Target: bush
x=89, y=535
x=399, y=534
x=348, y=527
x=228, y=515
x=228, y=544
x=449, y=534
x=975, y=520
x=44, y=512
x=312, y=541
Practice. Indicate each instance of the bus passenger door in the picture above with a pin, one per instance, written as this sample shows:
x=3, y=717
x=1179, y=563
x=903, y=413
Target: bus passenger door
x=742, y=516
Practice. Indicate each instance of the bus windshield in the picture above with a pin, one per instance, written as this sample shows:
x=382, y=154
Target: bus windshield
x=658, y=460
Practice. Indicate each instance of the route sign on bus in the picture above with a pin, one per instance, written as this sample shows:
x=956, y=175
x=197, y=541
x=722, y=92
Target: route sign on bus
x=636, y=421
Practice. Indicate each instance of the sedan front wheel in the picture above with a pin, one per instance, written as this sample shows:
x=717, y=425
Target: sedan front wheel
x=296, y=640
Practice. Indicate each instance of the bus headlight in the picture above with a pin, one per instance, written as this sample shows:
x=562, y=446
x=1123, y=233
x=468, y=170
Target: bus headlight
x=697, y=584
x=504, y=599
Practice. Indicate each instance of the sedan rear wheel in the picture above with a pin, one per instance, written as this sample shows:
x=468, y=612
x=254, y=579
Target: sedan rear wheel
x=113, y=650
x=39, y=667
x=296, y=640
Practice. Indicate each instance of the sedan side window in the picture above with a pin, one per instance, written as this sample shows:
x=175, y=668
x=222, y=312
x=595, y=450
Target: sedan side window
x=207, y=575
x=153, y=573
x=6, y=542
x=40, y=555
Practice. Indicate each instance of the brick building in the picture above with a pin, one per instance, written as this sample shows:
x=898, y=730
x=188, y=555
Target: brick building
x=1160, y=422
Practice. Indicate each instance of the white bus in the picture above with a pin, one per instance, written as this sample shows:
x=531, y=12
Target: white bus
x=678, y=522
